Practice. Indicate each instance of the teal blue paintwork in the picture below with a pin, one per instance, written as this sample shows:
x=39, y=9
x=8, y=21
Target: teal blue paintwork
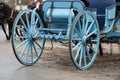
x=85, y=31
x=28, y=50
x=69, y=21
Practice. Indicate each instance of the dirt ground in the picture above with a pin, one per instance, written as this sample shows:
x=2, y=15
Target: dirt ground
x=56, y=64
x=104, y=68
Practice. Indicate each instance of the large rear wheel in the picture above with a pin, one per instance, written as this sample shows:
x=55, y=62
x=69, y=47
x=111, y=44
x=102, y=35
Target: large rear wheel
x=85, y=34
x=116, y=27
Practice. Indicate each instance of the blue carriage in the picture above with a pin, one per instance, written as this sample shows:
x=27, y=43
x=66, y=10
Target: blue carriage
x=66, y=20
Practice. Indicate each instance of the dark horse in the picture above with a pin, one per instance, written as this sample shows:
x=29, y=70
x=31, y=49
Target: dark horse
x=7, y=16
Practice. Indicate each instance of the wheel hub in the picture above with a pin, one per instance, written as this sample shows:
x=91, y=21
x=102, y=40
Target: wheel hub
x=84, y=38
x=31, y=38
x=31, y=33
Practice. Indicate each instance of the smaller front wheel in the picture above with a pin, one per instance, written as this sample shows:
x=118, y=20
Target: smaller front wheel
x=84, y=40
x=27, y=48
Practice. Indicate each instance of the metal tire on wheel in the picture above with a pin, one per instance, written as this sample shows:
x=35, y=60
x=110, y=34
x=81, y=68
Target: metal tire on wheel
x=85, y=33
x=26, y=45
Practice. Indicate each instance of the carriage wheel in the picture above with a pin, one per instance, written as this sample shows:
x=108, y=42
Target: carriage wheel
x=26, y=45
x=85, y=34
x=116, y=27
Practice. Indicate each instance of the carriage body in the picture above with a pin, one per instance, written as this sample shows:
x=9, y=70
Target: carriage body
x=67, y=20
x=60, y=23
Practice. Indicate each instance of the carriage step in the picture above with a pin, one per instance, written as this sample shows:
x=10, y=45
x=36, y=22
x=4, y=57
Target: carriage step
x=111, y=40
x=113, y=34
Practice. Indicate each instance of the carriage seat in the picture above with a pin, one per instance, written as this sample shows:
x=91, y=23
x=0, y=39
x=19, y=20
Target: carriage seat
x=101, y=6
x=61, y=10
x=59, y=14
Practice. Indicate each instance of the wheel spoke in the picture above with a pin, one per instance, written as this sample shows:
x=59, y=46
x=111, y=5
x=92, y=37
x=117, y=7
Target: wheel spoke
x=80, y=27
x=85, y=62
x=86, y=25
x=27, y=19
x=78, y=52
x=20, y=37
x=35, y=49
x=91, y=48
x=38, y=44
x=35, y=24
x=18, y=27
x=83, y=21
x=27, y=53
x=88, y=54
x=21, y=44
x=32, y=18
x=31, y=53
x=36, y=20
x=23, y=50
x=81, y=55
x=76, y=30
x=76, y=46
x=89, y=28
x=23, y=23
x=92, y=33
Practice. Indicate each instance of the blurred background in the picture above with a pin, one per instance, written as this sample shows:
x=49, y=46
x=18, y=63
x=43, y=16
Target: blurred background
x=18, y=4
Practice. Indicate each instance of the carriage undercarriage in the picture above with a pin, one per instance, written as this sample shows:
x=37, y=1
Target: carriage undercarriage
x=81, y=30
